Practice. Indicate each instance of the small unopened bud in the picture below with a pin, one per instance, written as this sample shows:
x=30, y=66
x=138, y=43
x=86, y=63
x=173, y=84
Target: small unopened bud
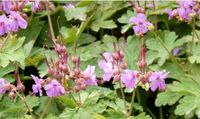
x=74, y=59
x=196, y=7
x=83, y=86
x=12, y=95
x=123, y=65
x=116, y=71
x=50, y=71
x=20, y=87
x=58, y=48
x=121, y=54
x=139, y=10
x=144, y=78
x=116, y=78
x=76, y=71
x=115, y=56
x=64, y=49
x=71, y=75
x=76, y=88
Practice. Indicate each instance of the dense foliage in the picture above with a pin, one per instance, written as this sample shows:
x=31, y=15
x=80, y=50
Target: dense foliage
x=99, y=59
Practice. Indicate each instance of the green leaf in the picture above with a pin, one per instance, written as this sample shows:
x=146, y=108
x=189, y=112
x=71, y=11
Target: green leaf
x=131, y=50
x=125, y=19
x=6, y=70
x=167, y=98
x=156, y=52
x=141, y=116
x=188, y=88
x=12, y=52
x=78, y=13
x=31, y=33
x=195, y=58
x=69, y=34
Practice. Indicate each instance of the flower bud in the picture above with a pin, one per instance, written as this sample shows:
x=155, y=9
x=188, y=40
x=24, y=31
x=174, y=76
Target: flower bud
x=76, y=71
x=115, y=56
x=123, y=65
x=116, y=71
x=71, y=75
x=64, y=49
x=121, y=54
x=50, y=71
x=76, y=88
x=116, y=78
x=58, y=48
x=139, y=9
x=196, y=7
x=20, y=87
x=74, y=59
x=83, y=86
x=12, y=95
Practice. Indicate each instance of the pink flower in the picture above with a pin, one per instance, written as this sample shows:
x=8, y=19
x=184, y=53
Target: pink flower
x=3, y=84
x=90, y=72
x=129, y=78
x=35, y=5
x=17, y=21
x=54, y=89
x=37, y=87
x=6, y=6
x=106, y=66
x=4, y=25
x=157, y=80
x=141, y=24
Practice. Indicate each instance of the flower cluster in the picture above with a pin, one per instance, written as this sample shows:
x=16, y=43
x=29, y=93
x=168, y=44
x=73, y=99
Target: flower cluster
x=141, y=24
x=185, y=11
x=60, y=72
x=113, y=65
x=10, y=88
x=12, y=17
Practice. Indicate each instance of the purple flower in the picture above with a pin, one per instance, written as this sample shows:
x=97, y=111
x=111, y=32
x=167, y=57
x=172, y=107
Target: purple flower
x=90, y=72
x=3, y=84
x=37, y=87
x=157, y=80
x=6, y=6
x=175, y=51
x=17, y=21
x=106, y=66
x=4, y=25
x=183, y=13
x=129, y=78
x=54, y=89
x=171, y=13
x=141, y=24
x=35, y=5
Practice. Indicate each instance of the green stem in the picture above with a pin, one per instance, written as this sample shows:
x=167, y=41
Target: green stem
x=49, y=20
x=79, y=97
x=74, y=99
x=169, y=53
x=123, y=96
x=26, y=104
x=4, y=41
x=46, y=108
x=160, y=113
x=138, y=96
x=151, y=113
x=132, y=102
x=193, y=32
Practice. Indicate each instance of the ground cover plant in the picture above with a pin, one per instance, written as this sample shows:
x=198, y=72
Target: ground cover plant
x=99, y=59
